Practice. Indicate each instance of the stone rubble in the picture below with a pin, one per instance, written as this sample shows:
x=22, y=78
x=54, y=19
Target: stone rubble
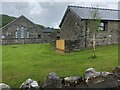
x=116, y=70
x=52, y=80
x=4, y=86
x=29, y=83
x=71, y=81
x=90, y=79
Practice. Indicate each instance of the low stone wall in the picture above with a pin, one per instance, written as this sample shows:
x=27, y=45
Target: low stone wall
x=76, y=45
x=21, y=41
x=73, y=45
x=90, y=79
x=104, y=38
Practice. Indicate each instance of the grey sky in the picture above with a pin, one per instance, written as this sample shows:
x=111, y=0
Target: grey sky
x=48, y=13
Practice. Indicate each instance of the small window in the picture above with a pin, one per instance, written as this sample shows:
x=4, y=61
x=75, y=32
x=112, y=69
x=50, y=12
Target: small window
x=28, y=35
x=2, y=36
x=16, y=34
x=49, y=34
x=101, y=27
x=58, y=37
x=39, y=35
x=22, y=32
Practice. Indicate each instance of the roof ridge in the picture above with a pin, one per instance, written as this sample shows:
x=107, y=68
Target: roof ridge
x=15, y=20
x=94, y=8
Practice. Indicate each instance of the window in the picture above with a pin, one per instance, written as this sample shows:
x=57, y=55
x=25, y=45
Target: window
x=28, y=35
x=102, y=26
x=22, y=32
x=16, y=34
x=2, y=36
x=39, y=35
x=49, y=34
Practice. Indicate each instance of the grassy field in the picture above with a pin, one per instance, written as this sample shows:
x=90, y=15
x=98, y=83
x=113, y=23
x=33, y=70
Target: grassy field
x=20, y=62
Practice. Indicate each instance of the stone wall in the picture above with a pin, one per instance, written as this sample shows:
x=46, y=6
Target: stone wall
x=46, y=37
x=110, y=36
x=90, y=79
x=21, y=41
x=74, y=29
x=9, y=31
x=72, y=45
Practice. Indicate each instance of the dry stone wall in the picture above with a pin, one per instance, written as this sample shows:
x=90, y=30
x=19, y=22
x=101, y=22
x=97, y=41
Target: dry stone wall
x=90, y=79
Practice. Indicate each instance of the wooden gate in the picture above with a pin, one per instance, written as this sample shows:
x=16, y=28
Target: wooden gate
x=60, y=44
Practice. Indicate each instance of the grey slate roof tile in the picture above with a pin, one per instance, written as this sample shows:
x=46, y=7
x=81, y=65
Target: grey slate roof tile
x=104, y=14
x=84, y=13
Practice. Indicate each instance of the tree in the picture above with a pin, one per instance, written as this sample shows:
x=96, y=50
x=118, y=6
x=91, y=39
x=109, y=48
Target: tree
x=93, y=24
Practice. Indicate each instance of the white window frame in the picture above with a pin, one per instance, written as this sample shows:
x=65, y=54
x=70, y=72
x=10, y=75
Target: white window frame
x=22, y=32
x=101, y=26
x=16, y=34
x=2, y=36
x=28, y=34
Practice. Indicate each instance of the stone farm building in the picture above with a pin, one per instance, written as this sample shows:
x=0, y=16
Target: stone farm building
x=21, y=31
x=75, y=31
x=51, y=35
x=24, y=31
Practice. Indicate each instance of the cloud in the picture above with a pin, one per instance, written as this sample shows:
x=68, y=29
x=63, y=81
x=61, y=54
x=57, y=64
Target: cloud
x=35, y=8
x=49, y=13
x=59, y=1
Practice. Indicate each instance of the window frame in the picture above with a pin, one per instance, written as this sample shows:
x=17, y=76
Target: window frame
x=16, y=34
x=101, y=26
x=27, y=34
x=22, y=32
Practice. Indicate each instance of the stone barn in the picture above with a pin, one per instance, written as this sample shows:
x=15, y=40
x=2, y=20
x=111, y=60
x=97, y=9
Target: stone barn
x=50, y=35
x=75, y=31
x=47, y=34
x=21, y=31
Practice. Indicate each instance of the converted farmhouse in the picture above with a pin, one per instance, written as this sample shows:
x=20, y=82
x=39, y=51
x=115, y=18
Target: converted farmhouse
x=21, y=31
x=74, y=29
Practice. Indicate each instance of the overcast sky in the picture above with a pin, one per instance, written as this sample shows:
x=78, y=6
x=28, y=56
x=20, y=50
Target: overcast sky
x=48, y=13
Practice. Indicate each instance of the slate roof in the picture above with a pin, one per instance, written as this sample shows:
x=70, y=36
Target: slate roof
x=84, y=13
x=48, y=30
x=15, y=21
x=22, y=16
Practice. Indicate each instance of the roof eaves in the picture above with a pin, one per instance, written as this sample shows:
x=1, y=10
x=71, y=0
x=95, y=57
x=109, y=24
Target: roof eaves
x=9, y=23
x=64, y=16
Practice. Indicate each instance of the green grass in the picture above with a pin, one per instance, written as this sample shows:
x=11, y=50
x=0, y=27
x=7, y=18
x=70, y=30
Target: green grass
x=20, y=62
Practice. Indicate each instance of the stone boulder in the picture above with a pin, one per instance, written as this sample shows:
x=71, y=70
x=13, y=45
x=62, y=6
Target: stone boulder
x=90, y=72
x=4, y=86
x=91, y=76
x=71, y=81
x=116, y=70
x=29, y=84
x=52, y=81
x=106, y=80
x=95, y=79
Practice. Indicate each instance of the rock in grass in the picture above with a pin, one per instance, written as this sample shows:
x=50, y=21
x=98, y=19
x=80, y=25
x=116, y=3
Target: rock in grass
x=52, y=81
x=91, y=76
x=29, y=84
x=71, y=81
x=101, y=79
x=4, y=86
x=116, y=70
x=90, y=72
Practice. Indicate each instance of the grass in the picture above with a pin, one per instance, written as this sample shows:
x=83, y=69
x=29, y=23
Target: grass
x=20, y=62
